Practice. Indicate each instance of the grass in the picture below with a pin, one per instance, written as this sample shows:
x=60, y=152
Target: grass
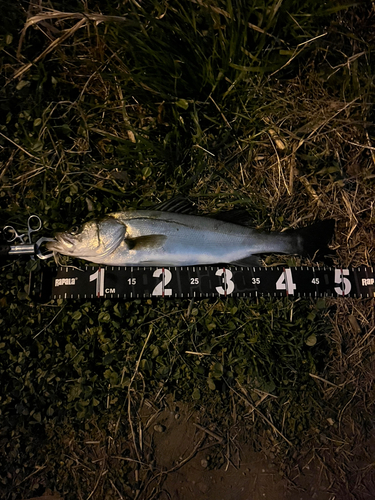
x=266, y=107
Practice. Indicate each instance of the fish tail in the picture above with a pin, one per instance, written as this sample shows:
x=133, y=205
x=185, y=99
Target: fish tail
x=313, y=240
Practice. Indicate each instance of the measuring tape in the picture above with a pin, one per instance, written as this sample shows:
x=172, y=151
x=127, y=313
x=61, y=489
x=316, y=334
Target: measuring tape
x=210, y=281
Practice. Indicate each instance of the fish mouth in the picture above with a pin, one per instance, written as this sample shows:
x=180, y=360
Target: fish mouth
x=61, y=243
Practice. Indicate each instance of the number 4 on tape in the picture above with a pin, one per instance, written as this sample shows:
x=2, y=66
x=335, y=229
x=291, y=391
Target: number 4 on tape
x=285, y=282
x=207, y=281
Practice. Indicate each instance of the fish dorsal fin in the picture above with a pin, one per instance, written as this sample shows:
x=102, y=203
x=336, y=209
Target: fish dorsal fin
x=145, y=242
x=236, y=216
x=177, y=205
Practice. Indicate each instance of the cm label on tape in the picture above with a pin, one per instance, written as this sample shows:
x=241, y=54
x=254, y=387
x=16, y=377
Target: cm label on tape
x=211, y=281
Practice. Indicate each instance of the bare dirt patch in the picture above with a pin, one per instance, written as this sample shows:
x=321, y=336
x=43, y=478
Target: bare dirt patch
x=187, y=453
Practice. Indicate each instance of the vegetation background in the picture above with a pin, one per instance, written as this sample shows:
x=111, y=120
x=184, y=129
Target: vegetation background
x=265, y=105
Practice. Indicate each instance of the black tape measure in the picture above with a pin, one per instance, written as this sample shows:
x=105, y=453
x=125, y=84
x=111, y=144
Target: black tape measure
x=211, y=281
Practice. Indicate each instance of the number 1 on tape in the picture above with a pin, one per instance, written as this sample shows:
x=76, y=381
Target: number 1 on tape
x=98, y=276
x=210, y=281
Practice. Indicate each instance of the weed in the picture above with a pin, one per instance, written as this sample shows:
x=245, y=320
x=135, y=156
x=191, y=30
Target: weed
x=266, y=107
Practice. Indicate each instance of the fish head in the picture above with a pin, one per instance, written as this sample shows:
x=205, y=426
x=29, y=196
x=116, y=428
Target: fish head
x=92, y=240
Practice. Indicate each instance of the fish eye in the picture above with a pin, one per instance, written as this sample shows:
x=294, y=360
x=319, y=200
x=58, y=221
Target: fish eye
x=75, y=230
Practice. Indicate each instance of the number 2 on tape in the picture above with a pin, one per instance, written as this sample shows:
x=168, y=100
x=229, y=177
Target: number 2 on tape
x=160, y=287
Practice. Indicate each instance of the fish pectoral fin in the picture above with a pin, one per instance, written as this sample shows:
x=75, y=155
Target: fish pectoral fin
x=143, y=242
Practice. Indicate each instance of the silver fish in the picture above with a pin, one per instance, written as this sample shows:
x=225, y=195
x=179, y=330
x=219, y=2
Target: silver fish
x=161, y=238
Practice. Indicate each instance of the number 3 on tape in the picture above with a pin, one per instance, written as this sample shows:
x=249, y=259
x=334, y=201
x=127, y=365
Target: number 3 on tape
x=227, y=281
x=285, y=282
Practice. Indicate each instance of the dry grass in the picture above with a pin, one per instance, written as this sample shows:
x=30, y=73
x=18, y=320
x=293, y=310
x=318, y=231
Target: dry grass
x=294, y=146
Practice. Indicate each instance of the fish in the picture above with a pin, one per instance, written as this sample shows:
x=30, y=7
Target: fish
x=165, y=238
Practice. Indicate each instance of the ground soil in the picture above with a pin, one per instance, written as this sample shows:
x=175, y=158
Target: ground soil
x=191, y=461
x=244, y=475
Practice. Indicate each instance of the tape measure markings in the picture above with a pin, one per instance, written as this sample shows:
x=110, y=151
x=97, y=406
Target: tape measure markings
x=212, y=281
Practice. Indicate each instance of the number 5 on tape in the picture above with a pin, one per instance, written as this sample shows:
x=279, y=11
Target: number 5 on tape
x=344, y=283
